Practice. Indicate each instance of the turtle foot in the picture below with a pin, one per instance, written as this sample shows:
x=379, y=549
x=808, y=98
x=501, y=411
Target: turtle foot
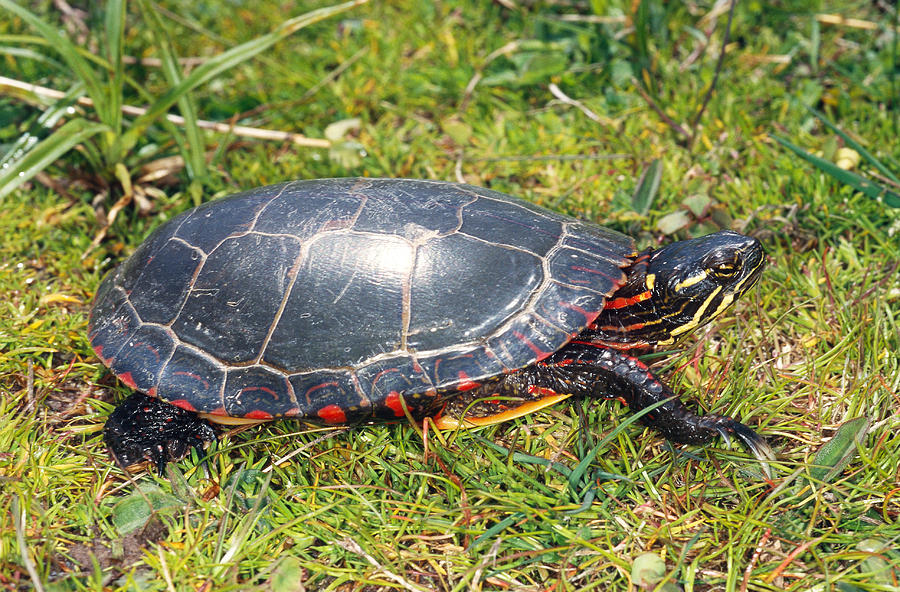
x=727, y=427
x=143, y=428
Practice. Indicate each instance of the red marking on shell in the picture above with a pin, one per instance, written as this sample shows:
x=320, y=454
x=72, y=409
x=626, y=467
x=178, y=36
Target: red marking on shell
x=264, y=389
x=467, y=383
x=394, y=403
x=184, y=404
x=219, y=411
x=384, y=372
x=589, y=316
x=149, y=347
x=578, y=309
x=257, y=414
x=628, y=301
x=541, y=354
x=332, y=414
x=151, y=391
x=98, y=349
x=194, y=376
x=589, y=270
x=313, y=389
x=126, y=378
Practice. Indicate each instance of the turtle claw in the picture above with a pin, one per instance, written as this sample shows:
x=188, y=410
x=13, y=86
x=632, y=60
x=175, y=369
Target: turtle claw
x=724, y=433
x=756, y=444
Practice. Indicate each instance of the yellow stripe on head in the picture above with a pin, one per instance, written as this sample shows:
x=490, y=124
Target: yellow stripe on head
x=698, y=318
x=694, y=279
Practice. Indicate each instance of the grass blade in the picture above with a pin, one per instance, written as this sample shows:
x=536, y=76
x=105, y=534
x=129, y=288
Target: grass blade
x=47, y=151
x=44, y=124
x=115, y=39
x=647, y=188
x=577, y=477
x=193, y=149
x=856, y=146
x=224, y=61
x=859, y=183
x=67, y=50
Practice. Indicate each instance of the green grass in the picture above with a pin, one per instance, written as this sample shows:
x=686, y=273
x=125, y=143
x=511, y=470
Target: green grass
x=376, y=508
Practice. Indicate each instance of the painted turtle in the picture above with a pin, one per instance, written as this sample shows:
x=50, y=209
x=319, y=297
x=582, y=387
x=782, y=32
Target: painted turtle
x=353, y=300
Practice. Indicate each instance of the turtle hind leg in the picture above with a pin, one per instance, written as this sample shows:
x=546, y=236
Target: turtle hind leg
x=143, y=428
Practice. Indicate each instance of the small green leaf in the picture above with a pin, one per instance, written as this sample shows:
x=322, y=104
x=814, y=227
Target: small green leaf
x=647, y=187
x=347, y=153
x=697, y=204
x=287, y=576
x=829, y=148
x=835, y=454
x=537, y=63
x=459, y=131
x=133, y=512
x=672, y=223
x=541, y=65
x=249, y=487
x=721, y=217
x=647, y=570
x=881, y=566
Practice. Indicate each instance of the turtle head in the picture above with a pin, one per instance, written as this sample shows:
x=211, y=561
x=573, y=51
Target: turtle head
x=693, y=281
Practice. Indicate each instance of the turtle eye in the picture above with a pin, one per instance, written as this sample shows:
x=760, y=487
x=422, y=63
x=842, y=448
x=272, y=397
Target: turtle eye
x=725, y=270
x=722, y=265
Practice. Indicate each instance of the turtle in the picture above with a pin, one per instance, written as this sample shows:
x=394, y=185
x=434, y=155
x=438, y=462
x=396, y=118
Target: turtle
x=355, y=300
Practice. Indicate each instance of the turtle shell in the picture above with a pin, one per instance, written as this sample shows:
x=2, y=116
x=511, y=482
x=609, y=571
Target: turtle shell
x=344, y=300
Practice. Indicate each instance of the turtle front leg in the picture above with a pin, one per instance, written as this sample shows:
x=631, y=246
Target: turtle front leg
x=592, y=371
x=143, y=428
